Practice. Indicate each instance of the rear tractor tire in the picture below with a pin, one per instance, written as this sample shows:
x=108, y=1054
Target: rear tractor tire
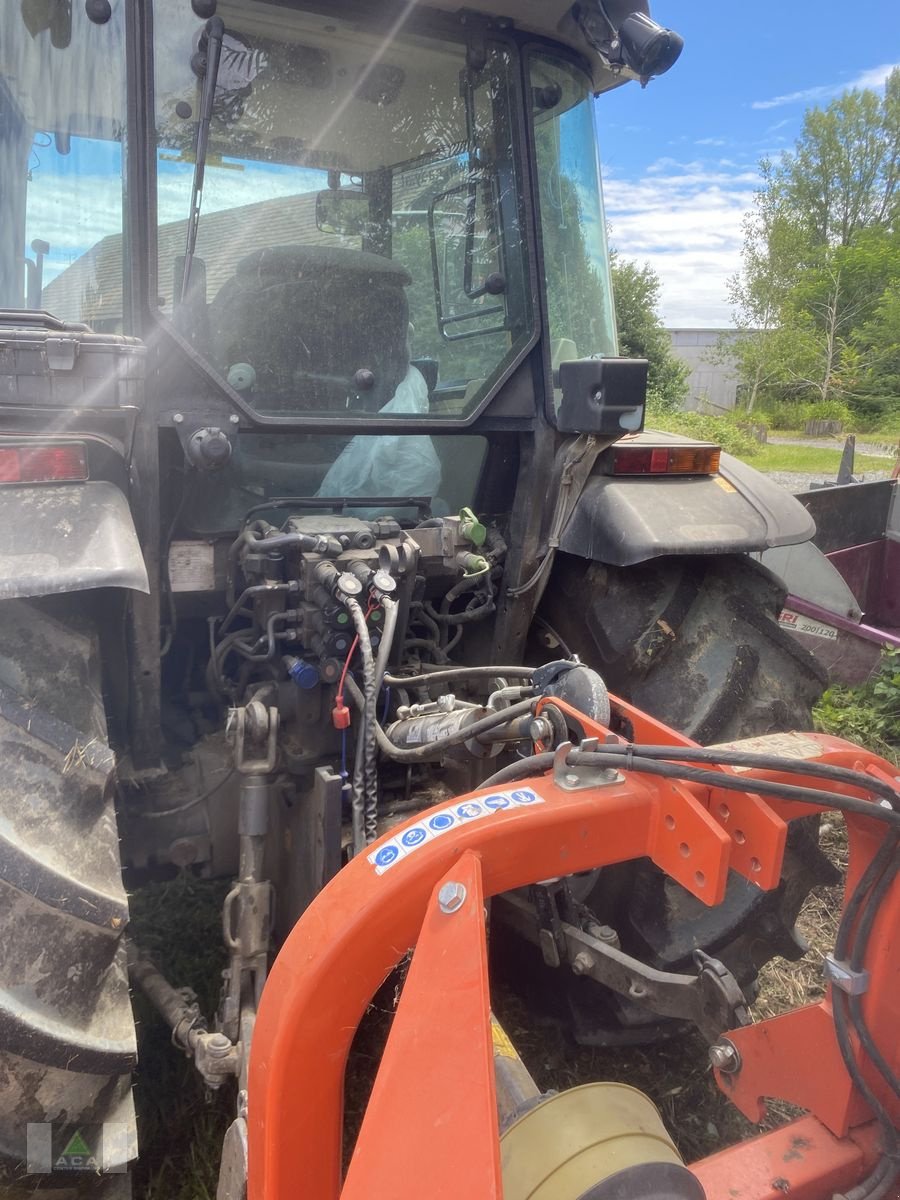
x=67, y=1039
x=696, y=643
x=693, y=641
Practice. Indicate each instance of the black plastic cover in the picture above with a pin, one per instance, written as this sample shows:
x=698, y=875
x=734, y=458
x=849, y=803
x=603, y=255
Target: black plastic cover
x=626, y=520
x=605, y=396
x=49, y=363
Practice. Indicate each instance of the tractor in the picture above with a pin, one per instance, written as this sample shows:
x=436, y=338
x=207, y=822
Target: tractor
x=326, y=504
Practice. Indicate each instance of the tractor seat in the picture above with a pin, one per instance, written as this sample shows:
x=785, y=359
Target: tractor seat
x=318, y=325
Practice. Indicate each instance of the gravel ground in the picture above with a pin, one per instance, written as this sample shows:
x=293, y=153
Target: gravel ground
x=834, y=443
x=801, y=481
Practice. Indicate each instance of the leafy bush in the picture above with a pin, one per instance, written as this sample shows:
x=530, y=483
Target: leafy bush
x=725, y=431
x=828, y=410
x=783, y=414
x=787, y=414
x=869, y=714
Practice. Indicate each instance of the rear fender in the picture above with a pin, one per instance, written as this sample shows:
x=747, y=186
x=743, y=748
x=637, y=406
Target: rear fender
x=67, y=537
x=624, y=520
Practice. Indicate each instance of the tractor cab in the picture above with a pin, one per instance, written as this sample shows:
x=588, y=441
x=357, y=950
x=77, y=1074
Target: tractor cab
x=322, y=541
x=335, y=202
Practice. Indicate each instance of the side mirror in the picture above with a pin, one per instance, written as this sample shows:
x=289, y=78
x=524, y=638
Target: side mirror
x=343, y=211
x=605, y=396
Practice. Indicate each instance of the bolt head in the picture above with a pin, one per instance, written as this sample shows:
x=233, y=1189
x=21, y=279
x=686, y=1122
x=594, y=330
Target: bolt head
x=582, y=963
x=724, y=1057
x=451, y=897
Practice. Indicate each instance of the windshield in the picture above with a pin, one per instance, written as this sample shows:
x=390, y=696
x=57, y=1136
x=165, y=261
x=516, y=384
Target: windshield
x=573, y=225
x=61, y=122
x=359, y=245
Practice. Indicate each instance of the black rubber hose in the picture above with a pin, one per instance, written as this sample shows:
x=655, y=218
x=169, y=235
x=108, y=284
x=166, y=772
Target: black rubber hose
x=280, y=541
x=520, y=770
x=885, y=1172
x=256, y=589
x=442, y=676
x=618, y=756
x=614, y=758
x=857, y=958
x=851, y=909
x=766, y=762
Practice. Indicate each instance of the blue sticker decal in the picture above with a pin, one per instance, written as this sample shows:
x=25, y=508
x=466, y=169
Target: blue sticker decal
x=386, y=856
x=470, y=810
x=454, y=816
x=495, y=803
x=413, y=837
x=525, y=796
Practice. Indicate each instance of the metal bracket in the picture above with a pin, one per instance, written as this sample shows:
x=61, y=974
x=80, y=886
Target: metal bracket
x=550, y=930
x=61, y=353
x=574, y=779
x=841, y=975
x=712, y=999
x=257, y=725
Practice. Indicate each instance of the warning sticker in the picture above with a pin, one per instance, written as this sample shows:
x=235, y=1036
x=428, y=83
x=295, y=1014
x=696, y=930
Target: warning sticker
x=451, y=816
x=192, y=567
x=502, y=1045
x=796, y=621
x=785, y=745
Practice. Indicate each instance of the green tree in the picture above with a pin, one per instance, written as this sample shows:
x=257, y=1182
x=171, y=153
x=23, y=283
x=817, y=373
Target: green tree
x=775, y=247
x=641, y=333
x=821, y=261
x=843, y=173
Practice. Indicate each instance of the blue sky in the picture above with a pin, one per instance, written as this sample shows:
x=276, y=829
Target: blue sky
x=680, y=158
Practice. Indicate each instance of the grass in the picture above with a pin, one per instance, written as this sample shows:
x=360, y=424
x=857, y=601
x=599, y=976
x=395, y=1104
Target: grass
x=180, y=1122
x=813, y=460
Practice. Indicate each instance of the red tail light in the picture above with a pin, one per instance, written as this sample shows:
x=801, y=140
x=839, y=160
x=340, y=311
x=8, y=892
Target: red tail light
x=43, y=464
x=666, y=460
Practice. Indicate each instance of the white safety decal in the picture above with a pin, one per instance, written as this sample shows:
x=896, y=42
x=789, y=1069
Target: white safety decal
x=451, y=816
x=803, y=624
x=192, y=567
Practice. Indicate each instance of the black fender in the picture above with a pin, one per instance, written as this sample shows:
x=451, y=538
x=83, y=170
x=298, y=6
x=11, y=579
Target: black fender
x=67, y=537
x=622, y=520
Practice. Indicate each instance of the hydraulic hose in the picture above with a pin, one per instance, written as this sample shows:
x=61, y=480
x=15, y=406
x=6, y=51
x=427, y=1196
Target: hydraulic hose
x=364, y=790
x=424, y=753
x=745, y=758
x=445, y=676
x=631, y=758
x=387, y=639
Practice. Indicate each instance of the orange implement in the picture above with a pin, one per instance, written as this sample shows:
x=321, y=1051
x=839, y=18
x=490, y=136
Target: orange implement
x=431, y=1127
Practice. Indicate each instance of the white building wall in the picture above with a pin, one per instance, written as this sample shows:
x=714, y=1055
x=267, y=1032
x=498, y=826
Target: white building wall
x=713, y=385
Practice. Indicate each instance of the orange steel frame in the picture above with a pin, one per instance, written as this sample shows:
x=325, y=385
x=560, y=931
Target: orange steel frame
x=431, y=1124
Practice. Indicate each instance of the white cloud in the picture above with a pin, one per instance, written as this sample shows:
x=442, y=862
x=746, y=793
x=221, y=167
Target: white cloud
x=872, y=77
x=684, y=219
x=711, y=141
